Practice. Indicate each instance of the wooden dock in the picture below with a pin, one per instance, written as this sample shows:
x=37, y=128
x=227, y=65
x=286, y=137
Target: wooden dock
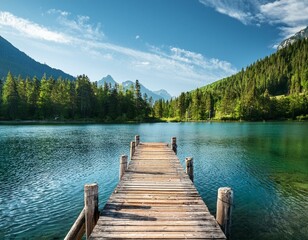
x=155, y=199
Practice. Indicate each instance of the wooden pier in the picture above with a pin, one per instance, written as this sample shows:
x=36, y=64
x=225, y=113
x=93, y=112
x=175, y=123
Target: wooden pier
x=155, y=199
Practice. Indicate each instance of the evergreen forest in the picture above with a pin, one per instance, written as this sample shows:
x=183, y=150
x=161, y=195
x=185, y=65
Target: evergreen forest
x=269, y=89
x=63, y=99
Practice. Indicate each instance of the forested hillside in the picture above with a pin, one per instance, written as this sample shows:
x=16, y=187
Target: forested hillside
x=273, y=88
x=18, y=63
x=50, y=99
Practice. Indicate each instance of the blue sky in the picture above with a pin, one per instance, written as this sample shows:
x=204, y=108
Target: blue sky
x=177, y=45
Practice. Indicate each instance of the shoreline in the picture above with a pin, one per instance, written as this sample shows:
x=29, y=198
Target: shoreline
x=54, y=122
x=79, y=122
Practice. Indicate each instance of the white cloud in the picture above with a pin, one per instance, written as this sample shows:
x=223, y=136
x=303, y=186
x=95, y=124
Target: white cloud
x=286, y=11
x=240, y=10
x=168, y=66
x=57, y=11
x=287, y=32
x=31, y=29
x=80, y=26
x=183, y=69
x=137, y=37
x=293, y=14
x=289, y=15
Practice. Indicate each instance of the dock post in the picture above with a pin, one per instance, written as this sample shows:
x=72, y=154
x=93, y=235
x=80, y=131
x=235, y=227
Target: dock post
x=224, y=209
x=137, y=140
x=123, y=165
x=132, y=149
x=190, y=168
x=173, y=145
x=90, y=207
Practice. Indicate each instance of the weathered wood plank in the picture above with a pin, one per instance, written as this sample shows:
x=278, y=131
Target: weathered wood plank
x=158, y=235
x=135, y=218
x=119, y=222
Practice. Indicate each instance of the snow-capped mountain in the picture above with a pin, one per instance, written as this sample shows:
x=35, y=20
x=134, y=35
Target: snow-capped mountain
x=156, y=95
x=299, y=35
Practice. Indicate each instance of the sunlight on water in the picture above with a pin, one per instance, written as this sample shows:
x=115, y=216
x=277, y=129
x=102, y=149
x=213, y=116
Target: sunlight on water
x=43, y=170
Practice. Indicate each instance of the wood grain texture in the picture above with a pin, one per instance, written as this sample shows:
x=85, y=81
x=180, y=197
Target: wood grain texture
x=155, y=199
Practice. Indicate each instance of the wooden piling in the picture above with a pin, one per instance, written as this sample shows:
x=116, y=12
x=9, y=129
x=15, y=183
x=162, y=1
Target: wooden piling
x=90, y=207
x=190, y=168
x=137, y=140
x=132, y=149
x=123, y=165
x=224, y=209
x=173, y=145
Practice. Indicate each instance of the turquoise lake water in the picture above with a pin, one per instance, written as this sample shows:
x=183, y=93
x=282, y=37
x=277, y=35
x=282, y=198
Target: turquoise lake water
x=43, y=169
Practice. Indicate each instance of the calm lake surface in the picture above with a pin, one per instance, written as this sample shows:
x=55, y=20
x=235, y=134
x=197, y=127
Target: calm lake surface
x=43, y=169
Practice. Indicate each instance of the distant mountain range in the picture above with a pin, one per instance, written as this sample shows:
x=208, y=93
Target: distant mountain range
x=18, y=63
x=299, y=35
x=156, y=95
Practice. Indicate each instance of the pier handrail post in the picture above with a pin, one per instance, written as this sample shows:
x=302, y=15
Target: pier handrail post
x=137, y=140
x=173, y=145
x=90, y=207
x=78, y=229
x=123, y=165
x=190, y=168
x=132, y=149
x=224, y=209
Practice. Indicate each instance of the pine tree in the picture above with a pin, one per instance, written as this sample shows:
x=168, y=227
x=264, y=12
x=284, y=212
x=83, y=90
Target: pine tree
x=44, y=100
x=32, y=94
x=84, y=96
x=138, y=101
x=182, y=106
x=22, y=103
x=10, y=98
x=1, y=87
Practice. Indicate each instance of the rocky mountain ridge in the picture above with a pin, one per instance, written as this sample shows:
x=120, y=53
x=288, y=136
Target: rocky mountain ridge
x=302, y=34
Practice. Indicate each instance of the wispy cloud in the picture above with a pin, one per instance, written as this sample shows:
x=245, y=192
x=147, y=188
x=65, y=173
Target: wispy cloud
x=31, y=29
x=202, y=68
x=289, y=15
x=57, y=11
x=243, y=11
x=168, y=65
x=79, y=26
x=172, y=62
x=293, y=14
x=179, y=62
x=181, y=68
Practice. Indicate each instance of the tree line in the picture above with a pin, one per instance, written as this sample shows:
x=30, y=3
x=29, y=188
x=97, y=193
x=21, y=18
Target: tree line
x=50, y=99
x=273, y=88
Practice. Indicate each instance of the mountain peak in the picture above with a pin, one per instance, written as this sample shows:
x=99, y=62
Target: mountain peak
x=108, y=79
x=164, y=94
x=19, y=63
x=299, y=35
